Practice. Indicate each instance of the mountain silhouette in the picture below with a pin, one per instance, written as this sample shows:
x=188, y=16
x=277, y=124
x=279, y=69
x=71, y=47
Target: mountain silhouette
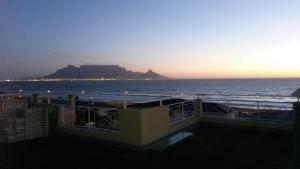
x=102, y=71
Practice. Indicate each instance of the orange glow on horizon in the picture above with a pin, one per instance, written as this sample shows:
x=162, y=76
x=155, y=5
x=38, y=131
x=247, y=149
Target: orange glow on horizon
x=240, y=71
x=245, y=74
x=274, y=61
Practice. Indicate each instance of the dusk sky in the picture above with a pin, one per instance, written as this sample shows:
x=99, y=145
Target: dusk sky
x=177, y=38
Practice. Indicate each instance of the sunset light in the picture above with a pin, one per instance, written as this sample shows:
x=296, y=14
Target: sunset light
x=194, y=39
x=170, y=84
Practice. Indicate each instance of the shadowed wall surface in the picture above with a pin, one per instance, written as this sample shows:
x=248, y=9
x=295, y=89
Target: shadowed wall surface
x=211, y=148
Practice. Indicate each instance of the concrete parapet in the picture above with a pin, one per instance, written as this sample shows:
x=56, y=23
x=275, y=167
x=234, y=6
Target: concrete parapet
x=17, y=122
x=137, y=126
x=296, y=159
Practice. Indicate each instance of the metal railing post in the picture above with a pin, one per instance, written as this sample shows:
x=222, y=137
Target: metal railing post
x=182, y=110
x=20, y=93
x=94, y=118
x=125, y=100
x=89, y=117
x=1, y=99
x=258, y=111
x=48, y=97
x=228, y=110
x=63, y=114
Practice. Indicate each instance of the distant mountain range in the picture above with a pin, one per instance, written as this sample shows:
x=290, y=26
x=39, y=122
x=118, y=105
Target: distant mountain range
x=98, y=72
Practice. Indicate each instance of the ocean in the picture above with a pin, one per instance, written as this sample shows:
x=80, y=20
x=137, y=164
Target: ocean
x=143, y=90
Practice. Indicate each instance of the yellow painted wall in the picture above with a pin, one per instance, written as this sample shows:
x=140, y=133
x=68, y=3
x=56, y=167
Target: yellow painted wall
x=130, y=126
x=155, y=124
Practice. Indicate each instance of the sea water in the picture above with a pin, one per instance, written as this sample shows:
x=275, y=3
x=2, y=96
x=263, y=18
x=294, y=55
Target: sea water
x=142, y=90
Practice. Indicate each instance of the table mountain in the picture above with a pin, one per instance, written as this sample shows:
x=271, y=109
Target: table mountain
x=102, y=71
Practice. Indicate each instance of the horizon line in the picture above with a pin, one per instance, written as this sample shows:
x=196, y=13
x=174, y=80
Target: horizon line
x=215, y=78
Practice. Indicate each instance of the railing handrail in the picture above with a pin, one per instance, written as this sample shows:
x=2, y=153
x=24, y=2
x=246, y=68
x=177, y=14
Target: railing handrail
x=245, y=95
x=260, y=105
x=93, y=107
x=52, y=96
x=246, y=101
x=178, y=103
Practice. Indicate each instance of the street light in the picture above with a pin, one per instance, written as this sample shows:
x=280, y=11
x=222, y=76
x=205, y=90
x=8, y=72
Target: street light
x=20, y=93
x=48, y=97
x=125, y=99
x=91, y=101
x=181, y=95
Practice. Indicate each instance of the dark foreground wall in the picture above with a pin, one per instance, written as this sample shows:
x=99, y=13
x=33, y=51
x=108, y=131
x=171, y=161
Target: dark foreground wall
x=212, y=148
x=297, y=136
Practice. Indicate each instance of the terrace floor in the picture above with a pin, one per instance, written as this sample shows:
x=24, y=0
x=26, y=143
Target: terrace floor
x=213, y=147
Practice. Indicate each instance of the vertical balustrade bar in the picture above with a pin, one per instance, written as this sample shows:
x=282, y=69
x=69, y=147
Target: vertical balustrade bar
x=73, y=103
x=182, y=110
x=20, y=93
x=125, y=100
x=2, y=104
x=48, y=97
x=228, y=109
x=258, y=111
x=63, y=115
x=94, y=118
x=89, y=117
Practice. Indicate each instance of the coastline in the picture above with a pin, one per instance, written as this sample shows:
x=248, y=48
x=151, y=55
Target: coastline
x=147, y=79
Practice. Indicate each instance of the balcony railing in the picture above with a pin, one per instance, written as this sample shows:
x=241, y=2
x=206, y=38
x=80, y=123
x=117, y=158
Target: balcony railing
x=181, y=111
x=269, y=107
x=250, y=110
x=92, y=118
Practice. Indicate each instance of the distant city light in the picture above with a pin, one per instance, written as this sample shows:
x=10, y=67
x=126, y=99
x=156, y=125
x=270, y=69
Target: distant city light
x=48, y=91
x=7, y=80
x=83, y=92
